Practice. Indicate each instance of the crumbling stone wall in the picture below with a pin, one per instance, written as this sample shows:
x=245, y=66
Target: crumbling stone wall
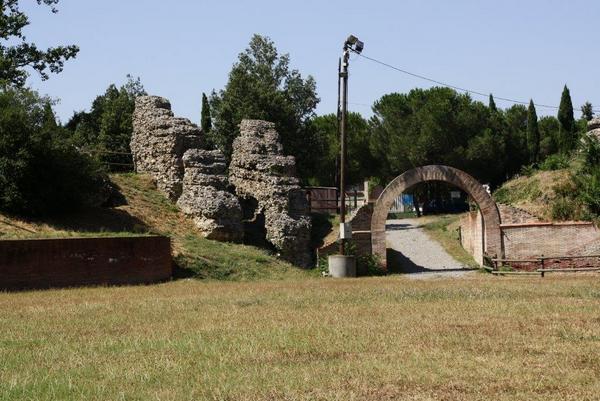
x=216, y=212
x=159, y=141
x=173, y=151
x=259, y=170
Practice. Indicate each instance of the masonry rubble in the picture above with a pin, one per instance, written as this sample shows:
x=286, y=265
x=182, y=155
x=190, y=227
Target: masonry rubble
x=594, y=128
x=173, y=151
x=259, y=170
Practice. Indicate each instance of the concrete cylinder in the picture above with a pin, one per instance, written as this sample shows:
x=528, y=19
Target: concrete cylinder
x=341, y=266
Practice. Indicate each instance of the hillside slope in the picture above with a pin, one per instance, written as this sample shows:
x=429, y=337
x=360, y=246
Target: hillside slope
x=146, y=211
x=539, y=194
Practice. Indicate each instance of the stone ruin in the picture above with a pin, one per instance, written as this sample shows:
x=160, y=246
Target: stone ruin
x=159, y=141
x=216, y=212
x=266, y=181
x=175, y=153
x=594, y=128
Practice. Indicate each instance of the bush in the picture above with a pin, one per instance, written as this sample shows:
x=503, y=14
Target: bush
x=40, y=171
x=563, y=209
x=555, y=162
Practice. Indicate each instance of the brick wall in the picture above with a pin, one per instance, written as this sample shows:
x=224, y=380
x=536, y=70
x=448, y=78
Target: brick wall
x=531, y=240
x=46, y=263
x=523, y=241
x=471, y=232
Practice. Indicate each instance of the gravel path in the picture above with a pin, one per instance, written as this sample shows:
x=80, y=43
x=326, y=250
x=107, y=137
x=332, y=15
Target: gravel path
x=410, y=250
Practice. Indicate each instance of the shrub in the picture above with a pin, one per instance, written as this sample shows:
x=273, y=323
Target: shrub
x=563, y=209
x=555, y=162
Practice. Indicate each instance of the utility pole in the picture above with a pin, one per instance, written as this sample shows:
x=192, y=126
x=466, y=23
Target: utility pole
x=342, y=127
x=352, y=44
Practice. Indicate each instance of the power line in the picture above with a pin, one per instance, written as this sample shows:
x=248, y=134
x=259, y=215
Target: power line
x=458, y=88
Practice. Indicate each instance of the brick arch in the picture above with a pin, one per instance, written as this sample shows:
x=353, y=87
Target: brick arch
x=489, y=209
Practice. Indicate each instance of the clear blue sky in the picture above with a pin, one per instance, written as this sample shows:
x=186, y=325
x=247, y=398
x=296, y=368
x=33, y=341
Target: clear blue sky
x=181, y=48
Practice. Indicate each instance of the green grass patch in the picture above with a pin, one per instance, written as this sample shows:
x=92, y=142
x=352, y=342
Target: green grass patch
x=445, y=230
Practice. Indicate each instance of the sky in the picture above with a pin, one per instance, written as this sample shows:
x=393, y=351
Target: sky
x=182, y=48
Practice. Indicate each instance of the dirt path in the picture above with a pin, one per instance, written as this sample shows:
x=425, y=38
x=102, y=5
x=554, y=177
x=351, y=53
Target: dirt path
x=410, y=250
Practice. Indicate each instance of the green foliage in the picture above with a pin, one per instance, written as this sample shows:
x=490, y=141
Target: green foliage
x=205, y=120
x=555, y=162
x=533, y=134
x=16, y=54
x=360, y=163
x=587, y=111
x=105, y=131
x=440, y=126
x=262, y=86
x=492, y=104
x=567, y=129
x=588, y=179
x=529, y=190
x=549, y=131
x=563, y=209
x=41, y=172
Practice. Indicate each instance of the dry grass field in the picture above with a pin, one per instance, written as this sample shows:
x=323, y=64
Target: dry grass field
x=476, y=338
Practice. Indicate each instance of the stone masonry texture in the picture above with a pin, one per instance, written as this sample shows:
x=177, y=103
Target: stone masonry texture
x=260, y=171
x=174, y=152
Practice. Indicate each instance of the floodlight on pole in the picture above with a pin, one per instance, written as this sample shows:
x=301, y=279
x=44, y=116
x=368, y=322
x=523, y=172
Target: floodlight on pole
x=352, y=44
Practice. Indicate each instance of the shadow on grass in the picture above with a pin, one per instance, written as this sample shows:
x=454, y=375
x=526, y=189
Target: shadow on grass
x=400, y=264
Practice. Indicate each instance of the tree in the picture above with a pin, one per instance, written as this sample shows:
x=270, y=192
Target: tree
x=549, y=127
x=566, y=119
x=533, y=134
x=587, y=111
x=107, y=128
x=262, y=86
x=492, y=104
x=360, y=164
x=205, y=121
x=436, y=126
x=41, y=172
x=16, y=54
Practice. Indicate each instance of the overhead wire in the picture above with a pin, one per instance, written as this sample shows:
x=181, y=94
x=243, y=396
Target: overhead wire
x=458, y=88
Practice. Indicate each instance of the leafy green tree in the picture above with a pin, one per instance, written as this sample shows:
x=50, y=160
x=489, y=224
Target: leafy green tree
x=17, y=54
x=515, y=138
x=587, y=111
x=41, y=172
x=106, y=129
x=549, y=127
x=206, y=120
x=533, y=134
x=434, y=126
x=492, y=104
x=262, y=86
x=567, y=129
x=360, y=163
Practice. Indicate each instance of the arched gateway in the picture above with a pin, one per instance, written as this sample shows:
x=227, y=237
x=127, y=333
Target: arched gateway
x=489, y=210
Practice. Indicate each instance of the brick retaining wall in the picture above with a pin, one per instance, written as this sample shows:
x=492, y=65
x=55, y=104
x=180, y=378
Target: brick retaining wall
x=47, y=263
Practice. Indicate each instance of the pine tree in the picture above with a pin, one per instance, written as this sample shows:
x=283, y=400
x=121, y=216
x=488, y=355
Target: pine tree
x=492, y=104
x=206, y=120
x=533, y=134
x=587, y=111
x=566, y=133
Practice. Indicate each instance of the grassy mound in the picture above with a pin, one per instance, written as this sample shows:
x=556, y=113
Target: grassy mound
x=147, y=211
x=541, y=194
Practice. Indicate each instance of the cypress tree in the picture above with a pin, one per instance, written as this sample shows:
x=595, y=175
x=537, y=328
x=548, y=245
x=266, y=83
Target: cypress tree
x=205, y=120
x=566, y=132
x=492, y=104
x=533, y=134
